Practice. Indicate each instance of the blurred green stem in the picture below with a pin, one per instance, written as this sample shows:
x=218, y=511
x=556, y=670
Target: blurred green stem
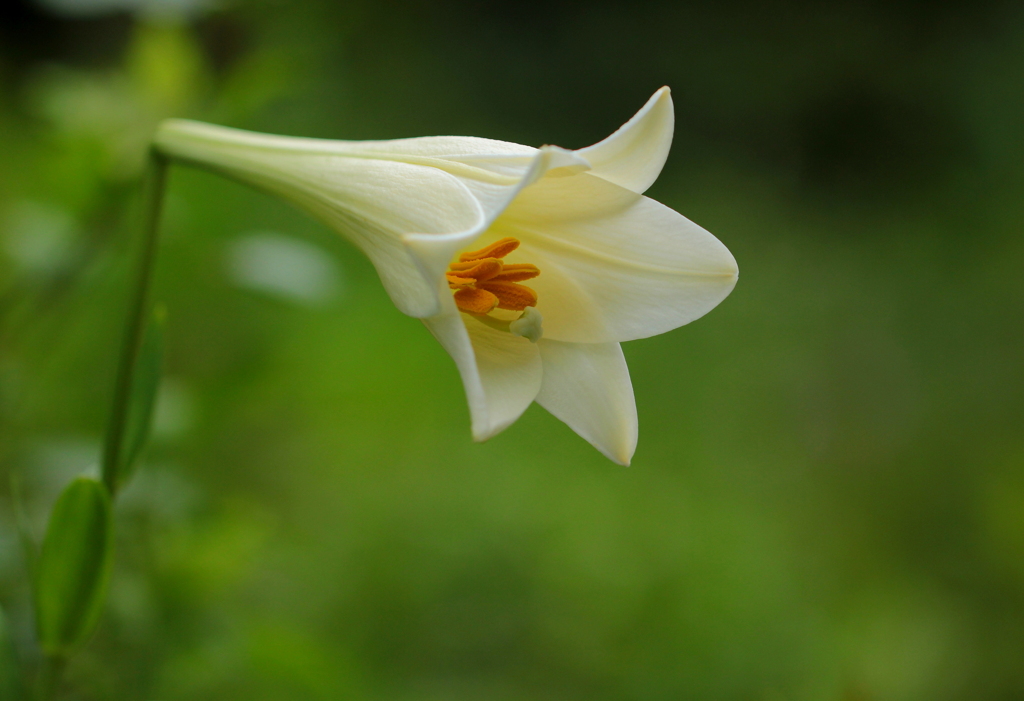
x=49, y=677
x=156, y=179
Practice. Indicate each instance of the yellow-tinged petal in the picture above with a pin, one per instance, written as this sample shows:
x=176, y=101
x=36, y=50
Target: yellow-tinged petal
x=409, y=204
x=634, y=155
x=501, y=373
x=374, y=203
x=587, y=386
x=433, y=254
x=446, y=148
x=617, y=265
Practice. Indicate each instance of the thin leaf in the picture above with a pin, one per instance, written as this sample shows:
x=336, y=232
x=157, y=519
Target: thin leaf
x=74, y=566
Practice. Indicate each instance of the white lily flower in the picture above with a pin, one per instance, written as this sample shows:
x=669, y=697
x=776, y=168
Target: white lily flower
x=455, y=224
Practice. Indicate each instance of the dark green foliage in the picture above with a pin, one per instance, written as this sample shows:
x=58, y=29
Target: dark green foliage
x=10, y=672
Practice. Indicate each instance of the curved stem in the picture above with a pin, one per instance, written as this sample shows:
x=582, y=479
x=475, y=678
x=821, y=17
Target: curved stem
x=136, y=322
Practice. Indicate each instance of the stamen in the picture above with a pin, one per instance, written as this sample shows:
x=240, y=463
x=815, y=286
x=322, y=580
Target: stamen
x=498, y=249
x=482, y=282
x=483, y=269
x=516, y=272
x=511, y=295
x=475, y=300
x=455, y=282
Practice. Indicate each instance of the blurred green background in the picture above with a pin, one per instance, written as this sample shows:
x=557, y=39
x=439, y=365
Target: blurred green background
x=827, y=501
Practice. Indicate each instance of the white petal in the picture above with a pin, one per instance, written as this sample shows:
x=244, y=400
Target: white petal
x=587, y=386
x=171, y=131
x=634, y=155
x=501, y=373
x=378, y=203
x=373, y=203
x=615, y=265
x=444, y=147
x=445, y=152
x=409, y=204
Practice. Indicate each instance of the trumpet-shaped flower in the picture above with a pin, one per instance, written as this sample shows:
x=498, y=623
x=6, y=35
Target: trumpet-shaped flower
x=530, y=266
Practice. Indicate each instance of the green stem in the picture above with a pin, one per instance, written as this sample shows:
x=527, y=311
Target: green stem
x=49, y=677
x=136, y=322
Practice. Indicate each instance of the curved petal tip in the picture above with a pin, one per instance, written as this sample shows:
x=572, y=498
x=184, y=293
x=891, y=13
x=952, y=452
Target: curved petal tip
x=587, y=386
x=634, y=155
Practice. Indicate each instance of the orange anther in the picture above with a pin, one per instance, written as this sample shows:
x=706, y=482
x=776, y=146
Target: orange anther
x=517, y=272
x=455, y=282
x=511, y=295
x=479, y=270
x=498, y=249
x=482, y=281
x=475, y=300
